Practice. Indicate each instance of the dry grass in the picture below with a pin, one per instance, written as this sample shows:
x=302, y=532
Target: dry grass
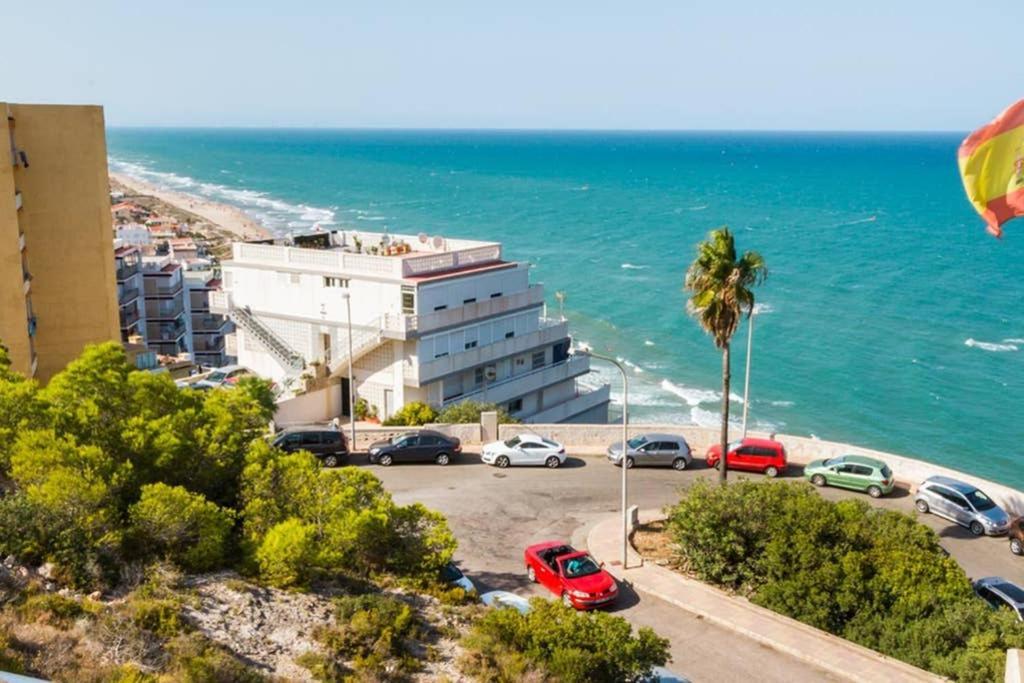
x=653, y=542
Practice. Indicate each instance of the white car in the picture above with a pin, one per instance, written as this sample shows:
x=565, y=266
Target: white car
x=524, y=449
x=226, y=376
x=505, y=599
x=453, y=576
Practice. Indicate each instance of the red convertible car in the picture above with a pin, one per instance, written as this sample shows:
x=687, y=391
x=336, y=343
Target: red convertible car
x=571, y=574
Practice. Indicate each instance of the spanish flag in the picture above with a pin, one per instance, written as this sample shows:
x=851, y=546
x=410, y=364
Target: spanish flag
x=992, y=167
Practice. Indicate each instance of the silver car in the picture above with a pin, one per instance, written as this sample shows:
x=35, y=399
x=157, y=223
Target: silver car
x=653, y=450
x=999, y=593
x=962, y=503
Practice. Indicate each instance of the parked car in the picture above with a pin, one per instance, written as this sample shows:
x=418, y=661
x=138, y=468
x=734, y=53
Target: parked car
x=524, y=449
x=501, y=599
x=1000, y=593
x=220, y=377
x=326, y=443
x=422, y=446
x=653, y=450
x=962, y=503
x=857, y=472
x=570, y=574
x=453, y=576
x=1016, y=532
x=751, y=455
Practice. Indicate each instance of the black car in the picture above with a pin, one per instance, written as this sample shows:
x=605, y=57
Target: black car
x=325, y=443
x=421, y=446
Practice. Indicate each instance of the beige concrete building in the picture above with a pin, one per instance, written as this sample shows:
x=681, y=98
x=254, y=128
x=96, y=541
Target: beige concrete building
x=57, y=287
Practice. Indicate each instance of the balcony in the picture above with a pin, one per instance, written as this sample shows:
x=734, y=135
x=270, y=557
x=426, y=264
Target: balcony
x=129, y=316
x=398, y=326
x=165, y=332
x=127, y=295
x=199, y=301
x=162, y=286
x=166, y=309
x=208, y=344
x=526, y=383
x=574, y=406
x=126, y=270
x=549, y=333
x=208, y=323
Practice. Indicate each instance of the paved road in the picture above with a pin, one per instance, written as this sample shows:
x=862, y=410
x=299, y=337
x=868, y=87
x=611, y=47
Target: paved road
x=496, y=513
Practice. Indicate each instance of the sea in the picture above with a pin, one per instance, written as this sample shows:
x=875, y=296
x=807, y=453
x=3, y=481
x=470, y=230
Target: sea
x=889, y=318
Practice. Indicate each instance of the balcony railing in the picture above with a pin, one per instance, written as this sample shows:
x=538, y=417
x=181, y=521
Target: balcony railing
x=128, y=295
x=165, y=310
x=525, y=383
x=165, y=332
x=402, y=326
x=126, y=271
x=208, y=344
x=582, y=402
x=129, y=316
x=208, y=323
x=154, y=288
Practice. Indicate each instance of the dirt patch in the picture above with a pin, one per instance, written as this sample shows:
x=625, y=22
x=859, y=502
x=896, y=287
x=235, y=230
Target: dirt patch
x=653, y=542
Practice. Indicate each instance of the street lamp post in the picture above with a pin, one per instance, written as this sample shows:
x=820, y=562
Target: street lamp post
x=625, y=438
x=746, y=377
x=351, y=378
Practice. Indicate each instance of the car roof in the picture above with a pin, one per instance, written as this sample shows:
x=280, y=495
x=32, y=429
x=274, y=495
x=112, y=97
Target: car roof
x=309, y=428
x=862, y=460
x=1008, y=590
x=659, y=436
x=752, y=441
x=431, y=432
x=536, y=438
x=955, y=484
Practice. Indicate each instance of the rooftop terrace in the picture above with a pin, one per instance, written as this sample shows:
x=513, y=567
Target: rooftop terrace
x=370, y=253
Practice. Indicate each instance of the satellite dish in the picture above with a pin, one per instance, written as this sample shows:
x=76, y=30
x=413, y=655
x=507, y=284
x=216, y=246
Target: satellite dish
x=422, y=237
x=438, y=242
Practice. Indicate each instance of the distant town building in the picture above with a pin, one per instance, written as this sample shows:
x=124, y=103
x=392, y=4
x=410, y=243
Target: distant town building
x=432, y=319
x=209, y=329
x=57, y=282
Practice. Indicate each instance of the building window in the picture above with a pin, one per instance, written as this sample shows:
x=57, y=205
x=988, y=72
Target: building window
x=495, y=295
x=520, y=361
x=478, y=376
x=441, y=307
x=335, y=282
x=408, y=299
x=471, y=345
x=515, y=406
x=538, y=359
x=510, y=334
x=466, y=302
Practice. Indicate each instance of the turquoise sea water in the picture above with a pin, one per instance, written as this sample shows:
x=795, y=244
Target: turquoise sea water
x=890, y=319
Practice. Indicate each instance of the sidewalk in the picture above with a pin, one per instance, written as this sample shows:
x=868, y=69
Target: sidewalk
x=806, y=643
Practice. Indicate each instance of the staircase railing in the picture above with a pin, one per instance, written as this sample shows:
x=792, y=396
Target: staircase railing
x=288, y=358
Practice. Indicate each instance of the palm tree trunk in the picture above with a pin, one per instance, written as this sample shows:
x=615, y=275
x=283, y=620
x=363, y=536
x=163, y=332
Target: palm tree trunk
x=722, y=472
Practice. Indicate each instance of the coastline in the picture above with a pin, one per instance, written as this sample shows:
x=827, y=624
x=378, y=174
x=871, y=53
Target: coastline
x=229, y=219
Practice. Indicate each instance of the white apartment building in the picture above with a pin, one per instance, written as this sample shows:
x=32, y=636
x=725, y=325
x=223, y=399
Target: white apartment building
x=442, y=321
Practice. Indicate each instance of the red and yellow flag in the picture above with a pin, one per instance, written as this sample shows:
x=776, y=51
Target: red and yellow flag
x=992, y=167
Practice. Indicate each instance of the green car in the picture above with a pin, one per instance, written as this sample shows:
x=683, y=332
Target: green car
x=852, y=472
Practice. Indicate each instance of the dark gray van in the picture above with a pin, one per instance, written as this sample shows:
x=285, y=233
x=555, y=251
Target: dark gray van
x=324, y=442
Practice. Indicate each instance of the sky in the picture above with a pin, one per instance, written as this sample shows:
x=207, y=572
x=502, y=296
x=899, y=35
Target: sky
x=665, y=64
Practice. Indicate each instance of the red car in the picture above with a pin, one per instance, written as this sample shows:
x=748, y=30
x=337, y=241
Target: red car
x=752, y=455
x=571, y=574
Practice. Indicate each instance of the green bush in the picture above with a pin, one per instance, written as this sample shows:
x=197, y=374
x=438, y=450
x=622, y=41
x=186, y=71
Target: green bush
x=371, y=631
x=51, y=608
x=161, y=617
x=413, y=414
x=568, y=646
x=873, y=576
x=182, y=527
x=287, y=553
x=468, y=412
x=194, y=659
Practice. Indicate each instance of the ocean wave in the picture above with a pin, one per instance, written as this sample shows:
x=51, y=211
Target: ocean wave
x=990, y=346
x=1013, y=340
x=699, y=207
x=693, y=397
x=781, y=404
x=763, y=309
x=648, y=342
x=631, y=266
x=858, y=221
x=276, y=214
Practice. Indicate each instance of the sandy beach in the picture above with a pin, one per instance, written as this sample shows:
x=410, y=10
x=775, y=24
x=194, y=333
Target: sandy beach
x=228, y=218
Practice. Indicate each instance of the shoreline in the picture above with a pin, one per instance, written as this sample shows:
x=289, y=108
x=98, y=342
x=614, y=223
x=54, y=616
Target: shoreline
x=230, y=219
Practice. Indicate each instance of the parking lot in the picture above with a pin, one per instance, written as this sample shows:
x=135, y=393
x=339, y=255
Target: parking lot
x=496, y=513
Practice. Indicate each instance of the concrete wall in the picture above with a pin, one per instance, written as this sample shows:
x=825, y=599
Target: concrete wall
x=315, y=407
x=467, y=433
x=801, y=450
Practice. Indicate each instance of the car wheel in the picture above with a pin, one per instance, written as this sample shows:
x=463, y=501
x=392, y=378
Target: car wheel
x=1016, y=547
x=772, y=471
x=629, y=463
x=552, y=462
x=442, y=459
x=385, y=460
x=976, y=528
x=530, y=574
x=922, y=507
x=331, y=461
x=502, y=461
x=818, y=480
x=679, y=464
x=567, y=601
x=874, y=492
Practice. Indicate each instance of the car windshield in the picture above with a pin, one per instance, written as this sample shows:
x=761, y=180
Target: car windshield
x=579, y=566
x=979, y=500
x=513, y=442
x=1015, y=593
x=450, y=573
x=637, y=442
x=832, y=461
x=398, y=438
x=217, y=376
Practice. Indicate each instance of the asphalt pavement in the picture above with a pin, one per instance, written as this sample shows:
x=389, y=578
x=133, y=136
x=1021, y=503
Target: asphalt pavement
x=496, y=513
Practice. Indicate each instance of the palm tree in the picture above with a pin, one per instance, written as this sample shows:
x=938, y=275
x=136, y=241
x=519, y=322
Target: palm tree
x=720, y=294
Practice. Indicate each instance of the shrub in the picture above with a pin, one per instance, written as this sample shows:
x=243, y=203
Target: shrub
x=371, y=631
x=183, y=527
x=413, y=414
x=286, y=554
x=569, y=646
x=161, y=617
x=468, y=412
x=51, y=608
x=194, y=659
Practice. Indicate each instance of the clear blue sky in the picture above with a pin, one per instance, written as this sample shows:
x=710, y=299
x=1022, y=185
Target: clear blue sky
x=669, y=64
